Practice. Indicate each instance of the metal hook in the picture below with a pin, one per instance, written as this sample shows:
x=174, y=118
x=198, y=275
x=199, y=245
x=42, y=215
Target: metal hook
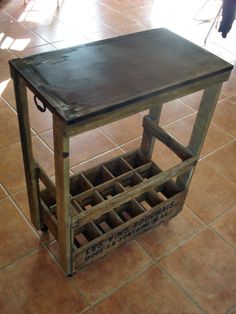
x=40, y=108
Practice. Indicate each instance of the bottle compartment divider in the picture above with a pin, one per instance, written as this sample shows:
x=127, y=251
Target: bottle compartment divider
x=102, y=185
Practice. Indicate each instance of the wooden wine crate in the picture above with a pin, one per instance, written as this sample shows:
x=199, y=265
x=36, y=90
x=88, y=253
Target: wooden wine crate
x=110, y=205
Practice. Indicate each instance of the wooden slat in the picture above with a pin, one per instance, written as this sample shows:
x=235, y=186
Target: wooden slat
x=158, y=132
x=133, y=192
x=203, y=119
x=148, y=140
x=49, y=220
x=202, y=122
x=61, y=156
x=111, y=240
x=49, y=184
x=27, y=150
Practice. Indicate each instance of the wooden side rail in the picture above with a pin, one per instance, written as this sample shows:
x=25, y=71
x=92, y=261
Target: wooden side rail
x=179, y=149
x=45, y=179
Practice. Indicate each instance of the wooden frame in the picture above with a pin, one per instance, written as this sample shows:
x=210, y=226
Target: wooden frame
x=68, y=222
x=95, y=211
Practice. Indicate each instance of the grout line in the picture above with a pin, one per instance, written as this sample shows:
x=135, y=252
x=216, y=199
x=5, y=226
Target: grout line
x=24, y=217
x=181, y=288
x=180, y=119
x=188, y=106
x=107, y=136
x=203, y=228
x=123, y=284
x=221, y=129
x=45, y=144
x=221, y=215
x=217, y=149
x=32, y=252
x=24, y=26
x=85, y=310
x=217, y=170
x=93, y=158
x=221, y=237
x=210, y=224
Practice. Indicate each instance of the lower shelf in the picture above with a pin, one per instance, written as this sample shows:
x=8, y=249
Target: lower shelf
x=107, y=242
x=105, y=186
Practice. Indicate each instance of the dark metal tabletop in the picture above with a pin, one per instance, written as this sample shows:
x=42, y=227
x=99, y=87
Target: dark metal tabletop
x=85, y=80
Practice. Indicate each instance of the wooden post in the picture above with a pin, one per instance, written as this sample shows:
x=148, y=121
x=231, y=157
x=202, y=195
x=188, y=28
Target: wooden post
x=148, y=140
x=202, y=122
x=27, y=151
x=61, y=157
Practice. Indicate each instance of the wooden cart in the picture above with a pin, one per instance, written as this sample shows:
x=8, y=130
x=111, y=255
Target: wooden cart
x=87, y=86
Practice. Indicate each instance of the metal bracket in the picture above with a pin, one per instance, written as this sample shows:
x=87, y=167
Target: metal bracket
x=42, y=107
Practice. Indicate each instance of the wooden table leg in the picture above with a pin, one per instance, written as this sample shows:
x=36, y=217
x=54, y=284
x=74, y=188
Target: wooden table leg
x=61, y=157
x=27, y=151
x=202, y=122
x=148, y=140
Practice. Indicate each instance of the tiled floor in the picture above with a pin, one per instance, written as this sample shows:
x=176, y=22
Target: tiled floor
x=186, y=266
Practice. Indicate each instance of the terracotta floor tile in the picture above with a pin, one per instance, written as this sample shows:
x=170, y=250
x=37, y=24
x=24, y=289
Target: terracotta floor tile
x=34, y=19
x=5, y=56
x=148, y=294
x=131, y=28
x=98, y=160
x=89, y=8
x=90, y=311
x=35, y=50
x=79, y=40
x=2, y=192
x=226, y=226
x=141, y=14
x=106, y=274
x=9, y=130
x=210, y=194
x=193, y=100
x=182, y=129
x=21, y=200
x=17, y=239
x=43, y=155
x=12, y=173
x=166, y=237
x=216, y=137
x=205, y=267
x=109, y=33
x=124, y=130
x=12, y=170
x=83, y=146
x=225, y=116
x=3, y=104
x=39, y=121
x=233, y=99
x=117, y=22
x=51, y=33
x=224, y=161
x=8, y=92
x=173, y=110
x=228, y=88
x=43, y=288
x=22, y=37
x=131, y=145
